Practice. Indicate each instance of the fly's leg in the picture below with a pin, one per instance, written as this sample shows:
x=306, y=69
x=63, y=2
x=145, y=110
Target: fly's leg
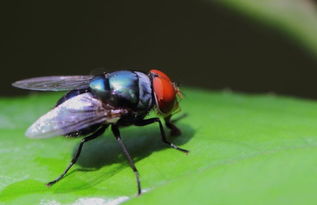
x=170, y=124
x=75, y=158
x=116, y=133
x=179, y=117
x=163, y=135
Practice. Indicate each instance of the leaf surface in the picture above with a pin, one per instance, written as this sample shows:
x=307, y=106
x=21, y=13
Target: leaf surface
x=244, y=149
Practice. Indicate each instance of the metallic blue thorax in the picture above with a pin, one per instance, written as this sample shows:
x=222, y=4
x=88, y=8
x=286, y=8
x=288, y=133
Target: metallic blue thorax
x=127, y=89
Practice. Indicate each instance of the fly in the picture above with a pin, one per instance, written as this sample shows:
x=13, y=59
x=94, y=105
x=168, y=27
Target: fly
x=94, y=103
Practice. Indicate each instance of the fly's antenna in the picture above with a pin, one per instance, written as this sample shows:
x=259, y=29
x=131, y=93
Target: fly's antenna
x=179, y=93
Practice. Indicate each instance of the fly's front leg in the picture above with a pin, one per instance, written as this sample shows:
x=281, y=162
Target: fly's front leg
x=163, y=135
x=75, y=158
x=175, y=131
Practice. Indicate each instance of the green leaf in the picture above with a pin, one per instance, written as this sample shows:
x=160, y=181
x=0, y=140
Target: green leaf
x=245, y=149
x=296, y=17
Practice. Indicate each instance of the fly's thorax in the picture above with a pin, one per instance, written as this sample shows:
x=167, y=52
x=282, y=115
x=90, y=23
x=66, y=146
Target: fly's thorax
x=126, y=89
x=146, y=100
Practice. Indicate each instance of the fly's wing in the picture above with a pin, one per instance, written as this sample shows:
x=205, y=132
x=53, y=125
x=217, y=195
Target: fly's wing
x=54, y=83
x=72, y=115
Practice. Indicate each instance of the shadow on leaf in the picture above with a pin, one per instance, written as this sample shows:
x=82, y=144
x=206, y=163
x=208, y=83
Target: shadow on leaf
x=141, y=143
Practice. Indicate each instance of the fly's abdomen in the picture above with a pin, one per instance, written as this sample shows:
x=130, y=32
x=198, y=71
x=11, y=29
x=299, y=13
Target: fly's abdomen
x=81, y=132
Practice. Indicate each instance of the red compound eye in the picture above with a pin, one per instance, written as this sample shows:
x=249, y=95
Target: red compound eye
x=164, y=91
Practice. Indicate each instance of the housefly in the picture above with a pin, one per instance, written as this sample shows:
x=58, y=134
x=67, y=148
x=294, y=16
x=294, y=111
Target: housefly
x=94, y=103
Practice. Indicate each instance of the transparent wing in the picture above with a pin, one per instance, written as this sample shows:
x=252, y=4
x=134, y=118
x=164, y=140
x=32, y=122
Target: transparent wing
x=54, y=83
x=72, y=115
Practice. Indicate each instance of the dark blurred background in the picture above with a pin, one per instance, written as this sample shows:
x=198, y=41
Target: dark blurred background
x=197, y=43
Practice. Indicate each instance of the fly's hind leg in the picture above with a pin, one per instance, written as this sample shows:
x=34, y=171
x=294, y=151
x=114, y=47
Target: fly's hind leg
x=96, y=134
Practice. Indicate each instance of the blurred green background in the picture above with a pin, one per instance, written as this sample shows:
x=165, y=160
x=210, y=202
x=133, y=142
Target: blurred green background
x=243, y=45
